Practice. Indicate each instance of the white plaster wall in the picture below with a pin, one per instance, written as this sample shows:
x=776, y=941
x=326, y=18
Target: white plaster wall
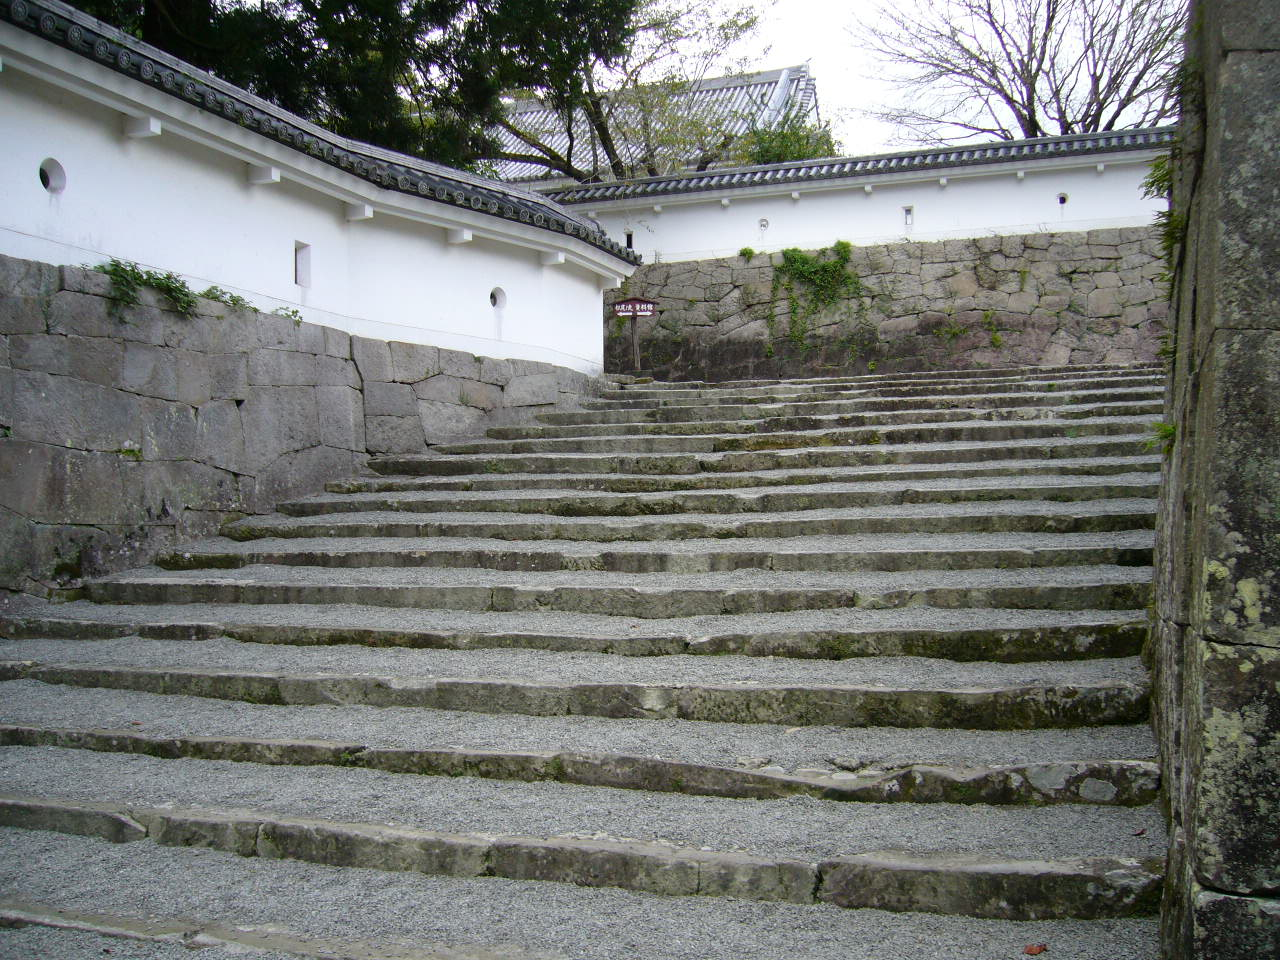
x=173, y=204
x=971, y=204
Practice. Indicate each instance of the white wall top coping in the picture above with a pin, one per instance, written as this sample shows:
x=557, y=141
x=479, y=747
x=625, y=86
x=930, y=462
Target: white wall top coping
x=66, y=47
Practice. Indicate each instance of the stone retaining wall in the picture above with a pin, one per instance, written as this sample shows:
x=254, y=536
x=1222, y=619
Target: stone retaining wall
x=122, y=431
x=1215, y=647
x=1046, y=298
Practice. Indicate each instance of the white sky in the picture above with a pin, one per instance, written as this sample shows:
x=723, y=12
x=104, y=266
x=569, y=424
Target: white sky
x=819, y=32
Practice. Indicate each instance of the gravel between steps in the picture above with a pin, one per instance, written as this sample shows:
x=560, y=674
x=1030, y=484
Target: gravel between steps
x=33, y=703
x=790, y=828
x=49, y=944
x=581, y=923
x=224, y=654
x=551, y=621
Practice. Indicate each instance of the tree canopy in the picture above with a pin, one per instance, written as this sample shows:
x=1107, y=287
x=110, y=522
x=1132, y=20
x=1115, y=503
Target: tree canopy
x=1027, y=68
x=420, y=76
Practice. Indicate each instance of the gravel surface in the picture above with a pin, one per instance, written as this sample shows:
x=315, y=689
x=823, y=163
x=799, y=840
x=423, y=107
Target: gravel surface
x=581, y=923
x=45, y=943
x=723, y=744
x=938, y=542
x=869, y=581
x=569, y=624
x=223, y=654
x=791, y=828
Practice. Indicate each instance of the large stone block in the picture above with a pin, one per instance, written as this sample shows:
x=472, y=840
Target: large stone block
x=229, y=377
x=168, y=430
x=341, y=411
x=282, y=368
x=86, y=358
x=337, y=343
x=394, y=434
x=52, y=484
x=442, y=422
x=389, y=400
x=336, y=372
x=411, y=362
x=1235, y=928
x=150, y=371
x=278, y=420
x=373, y=359
x=73, y=413
x=299, y=472
x=220, y=435
x=27, y=278
x=455, y=363
x=1237, y=816
x=525, y=391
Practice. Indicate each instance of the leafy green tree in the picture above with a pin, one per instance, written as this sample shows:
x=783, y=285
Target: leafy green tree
x=419, y=76
x=792, y=137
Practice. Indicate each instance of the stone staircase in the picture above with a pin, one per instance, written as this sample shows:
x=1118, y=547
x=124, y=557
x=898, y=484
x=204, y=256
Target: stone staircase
x=820, y=668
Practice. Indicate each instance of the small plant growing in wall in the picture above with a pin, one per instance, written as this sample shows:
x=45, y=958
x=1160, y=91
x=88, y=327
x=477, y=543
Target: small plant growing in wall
x=813, y=283
x=232, y=300
x=128, y=279
x=746, y=253
x=291, y=313
x=1162, y=438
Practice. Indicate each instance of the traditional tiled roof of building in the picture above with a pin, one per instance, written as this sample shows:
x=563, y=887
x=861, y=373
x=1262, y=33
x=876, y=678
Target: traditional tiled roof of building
x=730, y=103
x=852, y=168
x=94, y=40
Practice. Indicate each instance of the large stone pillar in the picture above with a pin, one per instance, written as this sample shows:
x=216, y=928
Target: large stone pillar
x=1216, y=637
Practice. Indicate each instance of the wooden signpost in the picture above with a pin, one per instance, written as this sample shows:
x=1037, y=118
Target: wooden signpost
x=632, y=308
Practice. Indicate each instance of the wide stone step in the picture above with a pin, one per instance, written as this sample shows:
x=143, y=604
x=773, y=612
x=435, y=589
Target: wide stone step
x=773, y=500
x=638, y=398
x=965, y=884
x=1034, y=448
x=773, y=422
x=89, y=876
x=1000, y=516
x=962, y=374
x=870, y=691
x=921, y=765
x=641, y=483
x=964, y=634
x=1012, y=395
x=831, y=553
x=932, y=432
x=1093, y=587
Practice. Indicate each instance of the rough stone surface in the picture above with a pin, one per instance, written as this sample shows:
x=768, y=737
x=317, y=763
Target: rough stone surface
x=1216, y=625
x=1047, y=299
x=122, y=432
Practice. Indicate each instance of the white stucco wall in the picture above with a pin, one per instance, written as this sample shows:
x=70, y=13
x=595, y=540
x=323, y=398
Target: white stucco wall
x=975, y=201
x=183, y=201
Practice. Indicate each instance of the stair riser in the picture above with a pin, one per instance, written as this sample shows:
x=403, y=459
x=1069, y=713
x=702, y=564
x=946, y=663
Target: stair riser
x=721, y=503
x=665, y=562
x=1007, y=708
x=698, y=413
x=1115, y=782
x=641, y=484
x=998, y=645
x=804, y=420
x=586, y=530
x=628, y=601
x=974, y=431
x=869, y=455
x=1091, y=888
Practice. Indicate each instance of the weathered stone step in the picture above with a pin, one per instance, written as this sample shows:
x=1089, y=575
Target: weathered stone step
x=845, y=693
x=772, y=422
x=1034, y=448
x=966, y=634
x=1103, y=782
x=976, y=884
x=1094, y=587
x=966, y=373
x=638, y=399
x=641, y=483
x=932, y=432
x=1011, y=395
x=831, y=553
x=47, y=930
x=556, y=503
x=1000, y=516
x=550, y=920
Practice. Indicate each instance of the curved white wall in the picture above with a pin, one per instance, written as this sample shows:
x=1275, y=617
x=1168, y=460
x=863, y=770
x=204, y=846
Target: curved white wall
x=977, y=201
x=183, y=200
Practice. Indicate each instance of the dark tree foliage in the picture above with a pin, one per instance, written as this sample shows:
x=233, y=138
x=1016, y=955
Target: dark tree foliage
x=419, y=76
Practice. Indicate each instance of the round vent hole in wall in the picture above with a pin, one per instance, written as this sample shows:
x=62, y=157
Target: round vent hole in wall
x=497, y=298
x=52, y=176
x=1062, y=198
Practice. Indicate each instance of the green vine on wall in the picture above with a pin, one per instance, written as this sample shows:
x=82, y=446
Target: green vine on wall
x=813, y=283
x=128, y=279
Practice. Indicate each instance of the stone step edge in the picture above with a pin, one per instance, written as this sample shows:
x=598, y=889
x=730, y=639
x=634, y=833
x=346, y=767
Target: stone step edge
x=1098, y=782
x=1008, y=707
x=1000, y=644
x=239, y=938
x=959, y=884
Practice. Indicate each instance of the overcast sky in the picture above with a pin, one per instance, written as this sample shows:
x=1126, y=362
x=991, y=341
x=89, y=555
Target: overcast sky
x=818, y=32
